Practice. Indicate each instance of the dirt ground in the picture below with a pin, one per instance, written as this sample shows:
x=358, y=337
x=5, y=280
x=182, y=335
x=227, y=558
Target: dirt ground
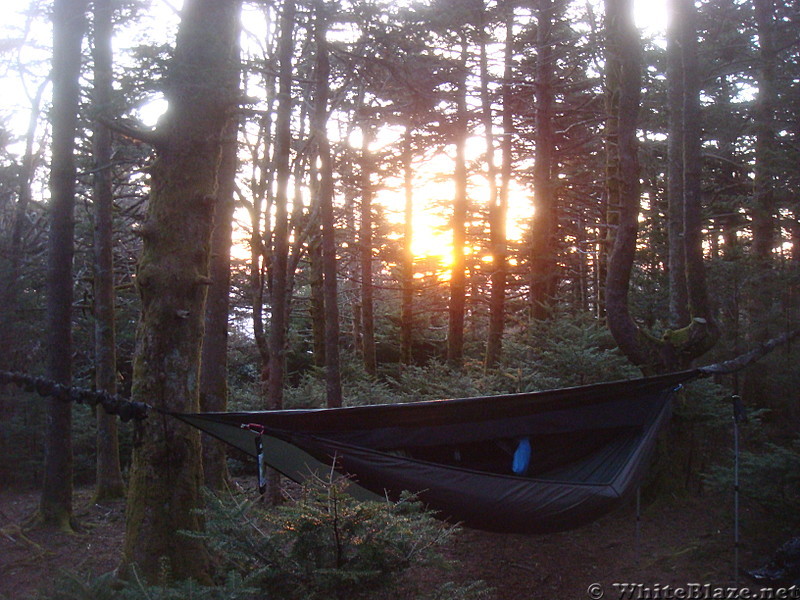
x=680, y=542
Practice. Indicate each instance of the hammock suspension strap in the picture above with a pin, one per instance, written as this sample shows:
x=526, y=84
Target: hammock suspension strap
x=111, y=403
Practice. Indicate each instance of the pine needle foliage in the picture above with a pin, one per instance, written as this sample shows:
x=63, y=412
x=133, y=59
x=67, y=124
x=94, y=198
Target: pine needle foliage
x=321, y=544
x=324, y=543
x=107, y=587
x=770, y=477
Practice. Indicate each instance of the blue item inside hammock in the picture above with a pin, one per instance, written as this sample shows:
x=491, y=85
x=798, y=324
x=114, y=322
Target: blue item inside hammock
x=522, y=457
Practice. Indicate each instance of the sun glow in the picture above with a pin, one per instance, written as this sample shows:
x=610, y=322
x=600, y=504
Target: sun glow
x=433, y=193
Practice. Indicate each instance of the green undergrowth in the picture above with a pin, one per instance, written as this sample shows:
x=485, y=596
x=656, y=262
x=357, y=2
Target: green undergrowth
x=320, y=544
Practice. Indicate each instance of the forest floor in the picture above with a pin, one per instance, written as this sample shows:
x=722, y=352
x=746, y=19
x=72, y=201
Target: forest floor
x=682, y=541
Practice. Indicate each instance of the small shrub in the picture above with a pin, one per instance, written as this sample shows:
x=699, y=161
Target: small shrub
x=770, y=477
x=324, y=544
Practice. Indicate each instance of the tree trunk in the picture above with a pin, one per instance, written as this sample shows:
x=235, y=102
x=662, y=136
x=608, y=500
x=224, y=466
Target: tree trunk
x=455, y=336
x=172, y=279
x=280, y=234
x=543, y=253
x=333, y=384
x=407, y=300
x=677, y=348
x=697, y=293
x=763, y=209
x=623, y=91
x=316, y=282
x=69, y=21
x=365, y=245
x=214, y=357
x=109, y=482
x=678, y=294
x=498, y=198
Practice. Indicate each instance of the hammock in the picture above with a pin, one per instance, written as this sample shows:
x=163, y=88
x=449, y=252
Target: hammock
x=521, y=463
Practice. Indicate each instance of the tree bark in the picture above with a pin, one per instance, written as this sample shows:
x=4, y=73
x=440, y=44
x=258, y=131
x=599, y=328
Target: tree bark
x=498, y=197
x=333, y=384
x=407, y=300
x=543, y=253
x=623, y=92
x=365, y=245
x=69, y=22
x=697, y=292
x=280, y=234
x=676, y=349
x=109, y=482
x=678, y=294
x=763, y=209
x=458, y=284
x=317, y=308
x=214, y=357
x=172, y=280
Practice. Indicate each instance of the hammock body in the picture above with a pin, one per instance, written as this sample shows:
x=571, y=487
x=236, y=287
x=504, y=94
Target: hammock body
x=521, y=463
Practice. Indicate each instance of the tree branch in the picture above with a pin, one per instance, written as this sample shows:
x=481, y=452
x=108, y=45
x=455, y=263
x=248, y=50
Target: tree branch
x=745, y=360
x=131, y=130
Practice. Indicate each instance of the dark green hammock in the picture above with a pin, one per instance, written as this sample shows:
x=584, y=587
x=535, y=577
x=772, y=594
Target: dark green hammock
x=522, y=463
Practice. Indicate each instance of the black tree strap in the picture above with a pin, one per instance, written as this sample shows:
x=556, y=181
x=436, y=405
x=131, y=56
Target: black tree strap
x=111, y=403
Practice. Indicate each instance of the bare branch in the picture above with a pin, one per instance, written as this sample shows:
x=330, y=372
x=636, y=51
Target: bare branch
x=745, y=360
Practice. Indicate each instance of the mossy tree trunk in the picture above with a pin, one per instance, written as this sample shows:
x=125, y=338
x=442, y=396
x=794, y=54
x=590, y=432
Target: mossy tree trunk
x=69, y=22
x=172, y=280
x=109, y=482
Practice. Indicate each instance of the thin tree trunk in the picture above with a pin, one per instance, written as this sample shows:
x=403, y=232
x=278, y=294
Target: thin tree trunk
x=678, y=294
x=795, y=233
x=455, y=337
x=172, y=280
x=697, y=293
x=333, y=384
x=407, y=300
x=365, y=245
x=316, y=282
x=763, y=210
x=109, y=482
x=258, y=255
x=69, y=21
x=498, y=198
x=543, y=253
x=10, y=359
x=280, y=234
